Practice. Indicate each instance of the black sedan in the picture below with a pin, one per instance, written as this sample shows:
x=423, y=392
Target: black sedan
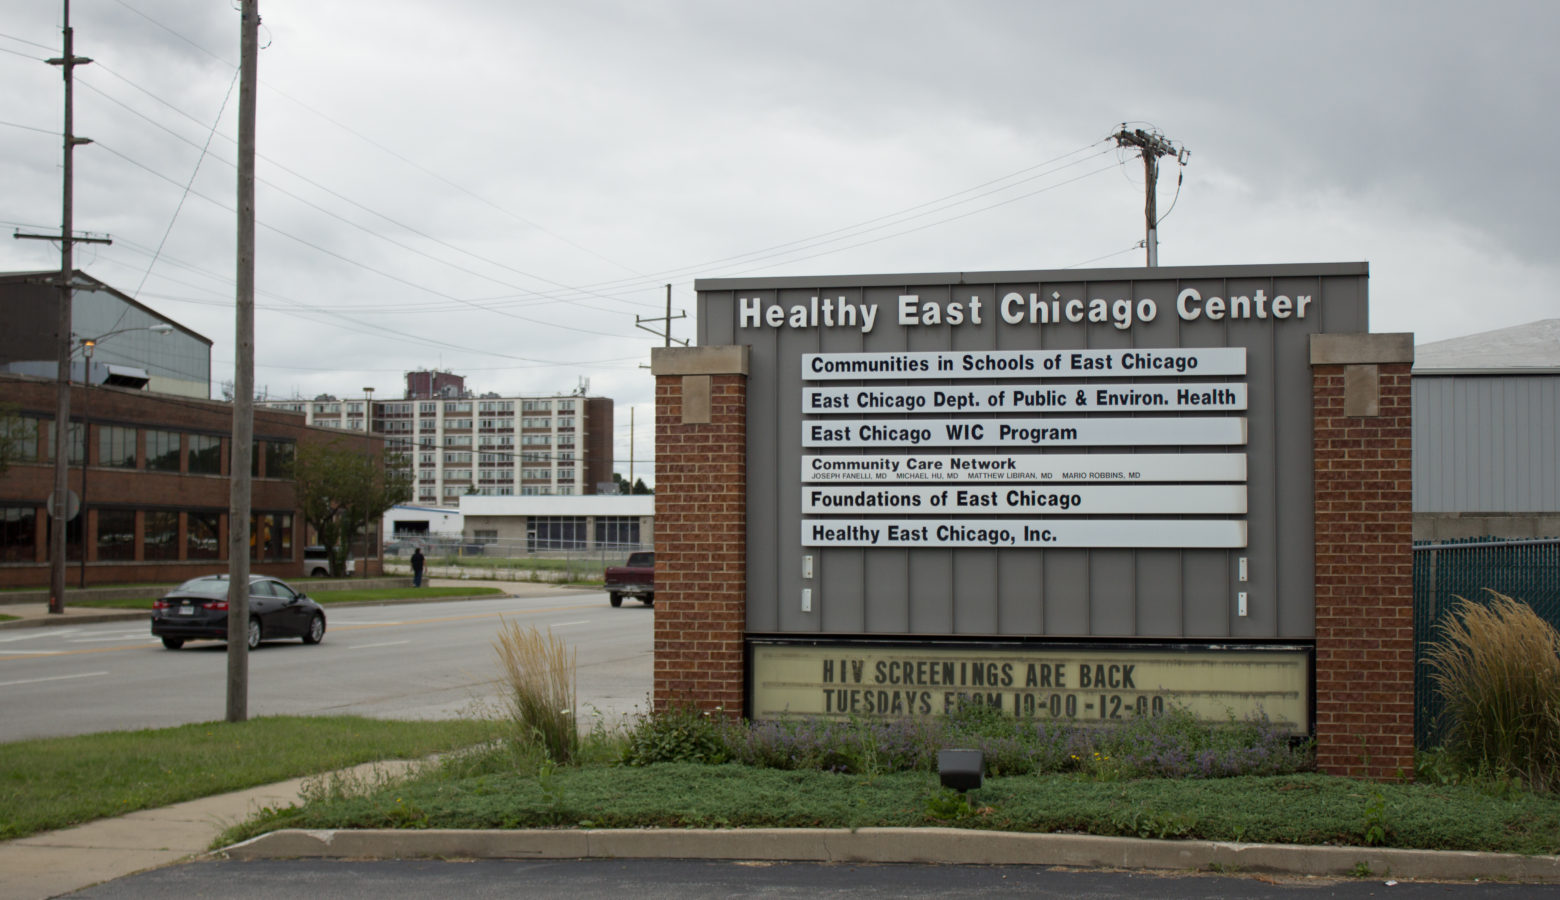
x=198, y=608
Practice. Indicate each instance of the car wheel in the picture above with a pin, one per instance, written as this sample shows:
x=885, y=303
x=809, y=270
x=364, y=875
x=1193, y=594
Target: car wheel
x=316, y=630
x=615, y=599
x=173, y=643
x=318, y=573
x=254, y=634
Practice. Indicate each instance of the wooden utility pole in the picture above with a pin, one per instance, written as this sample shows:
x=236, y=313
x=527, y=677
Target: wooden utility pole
x=59, y=509
x=241, y=457
x=666, y=320
x=1151, y=146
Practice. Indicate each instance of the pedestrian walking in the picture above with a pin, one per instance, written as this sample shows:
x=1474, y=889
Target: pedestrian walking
x=417, y=567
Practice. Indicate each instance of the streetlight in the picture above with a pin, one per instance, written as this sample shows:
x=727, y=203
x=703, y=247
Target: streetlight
x=87, y=346
x=368, y=428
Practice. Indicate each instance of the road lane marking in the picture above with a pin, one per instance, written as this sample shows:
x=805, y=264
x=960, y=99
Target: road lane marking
x=575, y=622
x=52, y=678
x=38, y=633
x=33, y=652
x=122, y=636
x=385, y=644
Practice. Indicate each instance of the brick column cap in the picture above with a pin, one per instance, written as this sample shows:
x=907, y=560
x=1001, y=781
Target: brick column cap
x=731, y=359
x=1361, y=349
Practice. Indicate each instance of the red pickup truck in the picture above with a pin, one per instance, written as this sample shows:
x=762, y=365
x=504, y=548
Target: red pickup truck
x=636, y=578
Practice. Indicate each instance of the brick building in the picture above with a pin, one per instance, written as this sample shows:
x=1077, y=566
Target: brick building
x=151, y=470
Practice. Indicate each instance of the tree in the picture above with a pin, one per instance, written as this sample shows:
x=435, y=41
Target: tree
x=623, y=486
x=341, y=490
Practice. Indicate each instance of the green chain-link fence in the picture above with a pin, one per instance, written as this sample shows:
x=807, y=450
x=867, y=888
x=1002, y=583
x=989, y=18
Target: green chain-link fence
x=1444, y=571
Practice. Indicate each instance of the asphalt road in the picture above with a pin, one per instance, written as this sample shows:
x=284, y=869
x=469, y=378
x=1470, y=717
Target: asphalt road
x=425, y=660
x=690, y=879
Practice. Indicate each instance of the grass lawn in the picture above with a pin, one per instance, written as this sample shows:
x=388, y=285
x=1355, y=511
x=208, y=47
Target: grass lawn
x=1299, y=809
x=57, y=782
x=9, y=618
x=325, y=598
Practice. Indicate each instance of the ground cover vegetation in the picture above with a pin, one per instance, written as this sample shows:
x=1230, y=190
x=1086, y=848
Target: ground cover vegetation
x=57, y=782
x=1164, y=777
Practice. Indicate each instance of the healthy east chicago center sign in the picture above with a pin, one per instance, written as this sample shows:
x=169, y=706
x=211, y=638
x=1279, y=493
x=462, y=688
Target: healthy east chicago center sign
x=1076, y=495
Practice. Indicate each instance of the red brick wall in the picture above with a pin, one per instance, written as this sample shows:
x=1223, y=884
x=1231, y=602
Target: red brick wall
x=29, y=483
x=701, y=547
x=1364, y=579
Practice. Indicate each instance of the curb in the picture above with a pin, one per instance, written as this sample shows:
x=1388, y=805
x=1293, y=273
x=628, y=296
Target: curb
x=947, y=846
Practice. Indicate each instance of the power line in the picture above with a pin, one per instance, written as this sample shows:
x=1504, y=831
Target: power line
x=1151, y=145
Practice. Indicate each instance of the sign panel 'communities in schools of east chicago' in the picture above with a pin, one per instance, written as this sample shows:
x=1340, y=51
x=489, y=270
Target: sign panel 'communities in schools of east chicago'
x=1023, y=471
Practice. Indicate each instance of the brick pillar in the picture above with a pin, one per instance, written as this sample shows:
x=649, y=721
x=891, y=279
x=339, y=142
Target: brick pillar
x=700, y=526
x=1361, y=420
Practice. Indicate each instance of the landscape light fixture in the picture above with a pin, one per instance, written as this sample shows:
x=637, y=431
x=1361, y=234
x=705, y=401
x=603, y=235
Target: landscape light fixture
x=960, y=769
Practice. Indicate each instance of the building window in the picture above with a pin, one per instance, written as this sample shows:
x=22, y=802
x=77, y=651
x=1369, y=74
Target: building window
x=461, y=424
x=116, y=446
x=463, y=406
x=74, y=435
x=565, y=406
x=565, y=490
x=21, y=435
x=618, y=532
x=203, y=540
x=536, y=440
x=73, y=528
x=115, y=534
x=555, y=533
x=162, y=451
x=427, y=409
x=458, y=457
x=205, y=452
x=536, y=406
x=565, y=421
x=328, y=409
x=162, y=535
x=19, y=531
x=457, y=440
x=270, y=536
x=279, y=457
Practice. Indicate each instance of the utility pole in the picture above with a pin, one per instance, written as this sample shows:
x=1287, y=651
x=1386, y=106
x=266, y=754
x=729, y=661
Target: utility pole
x=1151, y=146
x=59, y=509
x=239, y=480
x=667, y=319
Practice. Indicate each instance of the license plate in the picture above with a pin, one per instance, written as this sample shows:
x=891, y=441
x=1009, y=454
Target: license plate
x=186, y=610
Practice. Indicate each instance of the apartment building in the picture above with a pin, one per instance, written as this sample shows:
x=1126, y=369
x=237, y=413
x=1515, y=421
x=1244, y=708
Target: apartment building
x=457, y=444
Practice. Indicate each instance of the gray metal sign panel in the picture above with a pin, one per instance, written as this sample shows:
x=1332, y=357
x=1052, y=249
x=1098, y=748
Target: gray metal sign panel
x=1221, y=505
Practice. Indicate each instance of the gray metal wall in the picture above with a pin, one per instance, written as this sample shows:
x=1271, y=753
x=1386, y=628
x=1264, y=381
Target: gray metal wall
x=1486, y=443
x=1051, y=592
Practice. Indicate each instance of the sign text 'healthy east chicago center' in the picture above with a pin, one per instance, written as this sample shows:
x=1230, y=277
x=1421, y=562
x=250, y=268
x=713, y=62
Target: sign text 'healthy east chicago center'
x=1014, y=308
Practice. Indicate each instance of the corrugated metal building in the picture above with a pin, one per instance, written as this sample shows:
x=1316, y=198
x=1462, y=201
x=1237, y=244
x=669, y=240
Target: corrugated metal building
x=1487, y=434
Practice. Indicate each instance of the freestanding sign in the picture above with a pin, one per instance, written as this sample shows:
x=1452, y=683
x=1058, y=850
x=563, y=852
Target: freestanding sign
x=1072, y=495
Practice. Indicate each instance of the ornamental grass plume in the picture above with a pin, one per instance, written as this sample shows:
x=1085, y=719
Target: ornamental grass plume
x=1498, y=667
x=538, y=673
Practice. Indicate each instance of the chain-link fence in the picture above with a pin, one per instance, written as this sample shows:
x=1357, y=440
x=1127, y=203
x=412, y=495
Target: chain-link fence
x=455, y=557
x=1525, y=570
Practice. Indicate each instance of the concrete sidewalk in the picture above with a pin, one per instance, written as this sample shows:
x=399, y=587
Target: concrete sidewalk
x=58, y=862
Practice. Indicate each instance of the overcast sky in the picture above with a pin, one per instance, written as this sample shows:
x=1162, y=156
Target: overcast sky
x=498, y=187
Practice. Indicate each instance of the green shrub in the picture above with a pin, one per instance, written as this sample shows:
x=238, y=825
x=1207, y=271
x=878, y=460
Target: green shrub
x=1498, y=668
x=677, y=734
x=538, y=674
